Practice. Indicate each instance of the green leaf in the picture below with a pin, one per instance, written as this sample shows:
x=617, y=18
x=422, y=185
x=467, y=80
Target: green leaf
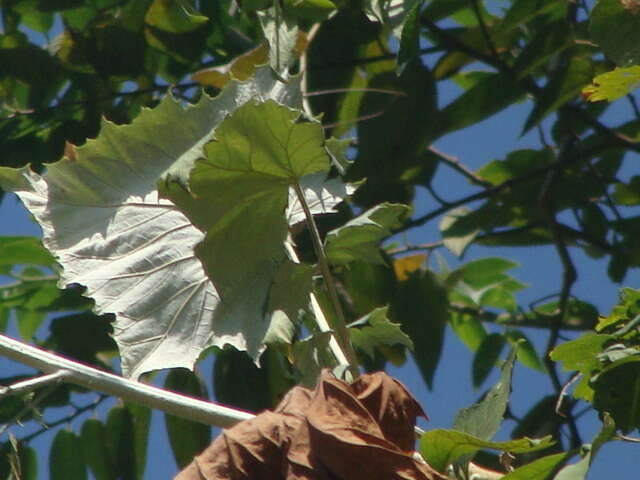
x=617, y=391
x=94, y=448
x=239, y=382
x=483, y=272
x=82, y=336
x=468, y=329
x=613, y=85
x=487, y=97
x=392, y=145
x=121, y=443
x=615, y=27
x=141, y=418
x=540, y=420
x=483, y=419
x=66, y=461
x=311, y=355
x=375, y=329
x=313, y=10
x=360, y=238
x=187, y=438
x=578, y=470
x=370, y=285
x=24, y=250
x=541, y=468
x=548, y=41
x=455, y=240
x=441, y=448
x=627, y=308
x=288, y=297
x=627, y=193
x=28, y=322
x=410, y=37
x=253, y=5
x=17, y=460
x=34, y=17
x=565, y=84
x=420, y=305
x=581, y=354
x=337, y=149
x=175, y=16
x=517, y=163
x=526, y=352
x=486, y=357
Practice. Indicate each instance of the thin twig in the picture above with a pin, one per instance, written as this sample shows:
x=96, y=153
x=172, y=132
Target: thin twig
x=346, y=90
x=321, y=320
x=26, y=386
x=563, y=392
x=459, y=167
x=366, y=60
x=416, y=248
x=483, y=28
x=341, y=325
x=69, y=418
x=416, y=222
x=634, y=105
x=569, y=275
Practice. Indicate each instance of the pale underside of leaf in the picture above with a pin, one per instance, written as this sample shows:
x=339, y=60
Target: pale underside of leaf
x=103, y=220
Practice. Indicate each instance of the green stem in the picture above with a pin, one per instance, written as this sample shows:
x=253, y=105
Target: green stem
x=340, y=326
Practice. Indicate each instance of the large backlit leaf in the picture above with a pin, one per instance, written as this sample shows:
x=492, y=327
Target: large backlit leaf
x=240, y=194
x=104, y=221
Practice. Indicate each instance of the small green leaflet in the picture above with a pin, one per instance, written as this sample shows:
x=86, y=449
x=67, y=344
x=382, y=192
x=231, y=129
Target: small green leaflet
x=441, y=448
x=360, y=238
x=613, y=85
x=375, y=329
x=483, y=419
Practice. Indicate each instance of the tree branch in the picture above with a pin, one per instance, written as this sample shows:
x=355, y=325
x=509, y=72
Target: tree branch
x=26, y=386
x=130, y=390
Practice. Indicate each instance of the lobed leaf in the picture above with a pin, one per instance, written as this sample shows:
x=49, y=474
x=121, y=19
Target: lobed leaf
x=106, y=224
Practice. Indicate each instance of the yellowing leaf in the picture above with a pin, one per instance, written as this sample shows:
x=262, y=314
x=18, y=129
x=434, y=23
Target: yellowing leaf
x=613, y=85
x=405, y=265
x=174, y=16
x=242, y=67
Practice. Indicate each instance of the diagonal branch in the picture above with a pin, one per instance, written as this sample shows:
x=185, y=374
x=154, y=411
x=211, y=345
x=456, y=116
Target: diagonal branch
x=130, y=390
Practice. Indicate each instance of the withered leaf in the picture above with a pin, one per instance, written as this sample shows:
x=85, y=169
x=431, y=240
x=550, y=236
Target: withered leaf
x=364, y=430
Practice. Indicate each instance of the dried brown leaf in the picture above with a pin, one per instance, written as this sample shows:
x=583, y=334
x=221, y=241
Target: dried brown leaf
x=338, y=431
